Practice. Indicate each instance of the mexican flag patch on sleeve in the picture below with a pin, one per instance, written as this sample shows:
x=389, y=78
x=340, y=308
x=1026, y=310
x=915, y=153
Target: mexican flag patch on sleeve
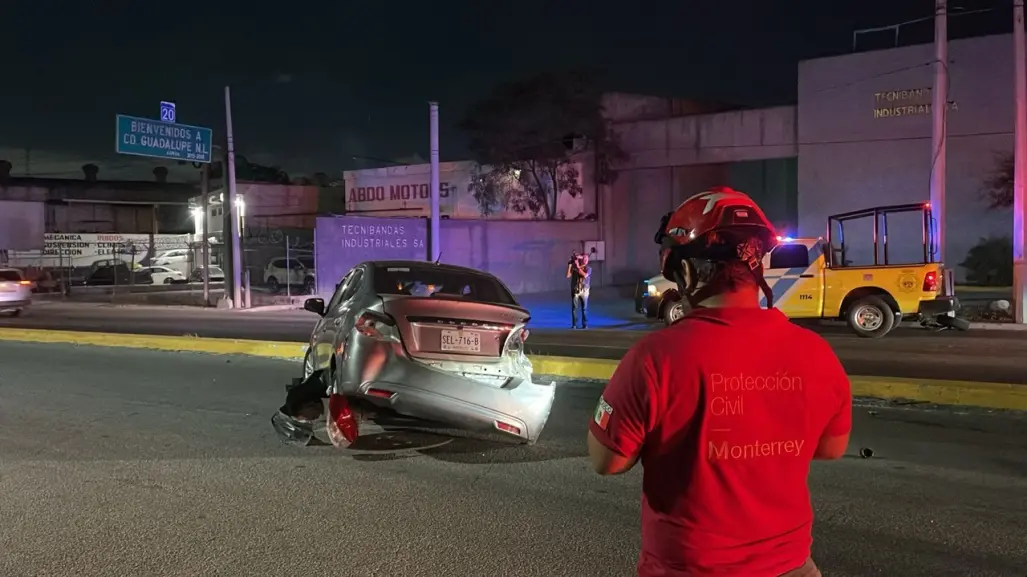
x=603, y=413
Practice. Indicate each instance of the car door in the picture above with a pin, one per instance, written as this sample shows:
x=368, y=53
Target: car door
x=272, y=270
x=323, y=338
x=795, y=278
x=343, y=316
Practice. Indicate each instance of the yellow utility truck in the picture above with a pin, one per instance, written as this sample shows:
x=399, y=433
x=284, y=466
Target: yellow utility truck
x=817, y=278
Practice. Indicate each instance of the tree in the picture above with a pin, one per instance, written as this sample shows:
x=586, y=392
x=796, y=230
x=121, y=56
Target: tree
x=997, y=188
x=251, y=172
x=526, y=134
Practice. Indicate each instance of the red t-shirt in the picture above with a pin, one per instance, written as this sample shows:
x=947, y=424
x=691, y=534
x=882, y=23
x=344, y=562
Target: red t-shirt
x=726, y=409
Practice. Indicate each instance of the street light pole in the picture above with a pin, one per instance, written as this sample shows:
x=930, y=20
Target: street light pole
x=233, y=206
x=434, y=235
x=205, y=247
x=939, y=110
x=1020, y=167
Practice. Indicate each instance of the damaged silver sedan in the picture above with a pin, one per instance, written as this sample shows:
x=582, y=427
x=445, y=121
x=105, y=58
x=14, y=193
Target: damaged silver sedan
x=421, y=340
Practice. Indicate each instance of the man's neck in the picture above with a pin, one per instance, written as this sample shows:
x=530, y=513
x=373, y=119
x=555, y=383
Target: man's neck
x=742, y=299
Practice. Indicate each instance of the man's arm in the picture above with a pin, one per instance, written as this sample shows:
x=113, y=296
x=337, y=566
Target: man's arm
x=835, y=438
x=568, y=270
x=623, y=416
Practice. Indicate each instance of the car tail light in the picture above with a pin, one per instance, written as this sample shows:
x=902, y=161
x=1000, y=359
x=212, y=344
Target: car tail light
x=25, y=282
x=508, y=428
x=343, y=428
x=930, y=281
x=375, y=325
x=515, y=342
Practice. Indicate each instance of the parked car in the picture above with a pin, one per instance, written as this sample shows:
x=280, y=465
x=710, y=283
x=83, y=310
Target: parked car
x=15, y=292
x=175, y=259
x=111, y=272
x=165, y=275
x=215, y=274
x=293, y=272
x=431, y=342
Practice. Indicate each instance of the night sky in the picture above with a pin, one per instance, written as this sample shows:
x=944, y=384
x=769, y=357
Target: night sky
x=316, y=83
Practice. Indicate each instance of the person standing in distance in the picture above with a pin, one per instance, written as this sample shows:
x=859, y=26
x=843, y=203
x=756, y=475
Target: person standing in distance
x=580, y=274
x=726, y=408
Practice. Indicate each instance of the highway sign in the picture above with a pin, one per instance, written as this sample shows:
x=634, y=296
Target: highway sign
x=167, y=111
x=156, y=139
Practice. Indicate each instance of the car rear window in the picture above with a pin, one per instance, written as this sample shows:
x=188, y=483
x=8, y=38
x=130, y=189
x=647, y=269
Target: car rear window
x=10, y=275
x=306, y=261
x=429, y=280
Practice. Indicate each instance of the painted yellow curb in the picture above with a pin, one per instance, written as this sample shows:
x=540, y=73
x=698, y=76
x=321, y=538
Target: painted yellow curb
x=279, y=350
x=573, y=367
x=967, y=393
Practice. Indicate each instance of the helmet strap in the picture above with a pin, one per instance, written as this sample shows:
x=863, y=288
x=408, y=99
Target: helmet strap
x=765, y=287
x=687, y=286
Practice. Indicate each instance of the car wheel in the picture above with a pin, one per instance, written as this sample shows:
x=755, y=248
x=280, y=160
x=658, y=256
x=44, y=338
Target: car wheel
x=273, y=286
x=167, y=280
x=673, y=311
x=871, y=317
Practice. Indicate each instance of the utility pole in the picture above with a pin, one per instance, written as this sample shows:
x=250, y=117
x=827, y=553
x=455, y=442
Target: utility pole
x=436, y=238
x=233, y=205
x=205, y=247
x=939, y=111
x=1020, y=167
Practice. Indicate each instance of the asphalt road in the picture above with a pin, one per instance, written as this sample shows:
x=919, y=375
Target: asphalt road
x=120, y=462
x=983, y=356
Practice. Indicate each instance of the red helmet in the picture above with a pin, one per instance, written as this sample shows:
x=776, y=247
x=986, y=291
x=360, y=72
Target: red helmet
x=720, y=224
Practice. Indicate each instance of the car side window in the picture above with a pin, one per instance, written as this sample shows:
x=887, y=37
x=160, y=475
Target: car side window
x=337, y=295
x=790, y=256
x=352, y=286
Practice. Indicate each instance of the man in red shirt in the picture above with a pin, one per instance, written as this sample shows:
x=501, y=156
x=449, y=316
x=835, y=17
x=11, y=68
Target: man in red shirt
x=726, y=408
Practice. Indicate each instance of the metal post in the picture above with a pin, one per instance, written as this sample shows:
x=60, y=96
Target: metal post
x=233, y=231
x=205, y=231
x=247, y=301
x=436, y=239
x=1020, y=170
x=288, y=270
x=939, y=110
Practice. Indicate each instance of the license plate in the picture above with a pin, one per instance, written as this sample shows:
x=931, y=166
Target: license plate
x=461, y=341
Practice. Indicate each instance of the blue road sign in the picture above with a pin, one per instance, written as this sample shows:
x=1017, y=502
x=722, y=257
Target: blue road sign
x=156, y=139
x=167, y=111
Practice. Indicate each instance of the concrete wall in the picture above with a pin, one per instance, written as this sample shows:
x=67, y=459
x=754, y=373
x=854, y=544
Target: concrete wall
x=676, y=151
x=865, y=134
x=529, y=256
x=631, y=210
x=625, y=107
x=279, y=205
x=710, y=138
x=22, y=225
x=76, y=206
